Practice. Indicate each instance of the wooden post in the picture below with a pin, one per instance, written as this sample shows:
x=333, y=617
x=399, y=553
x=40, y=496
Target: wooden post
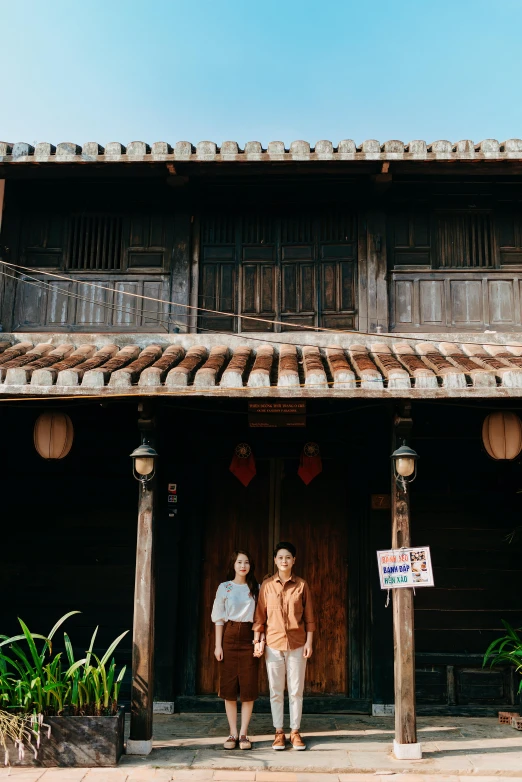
x=142, y=695
x=2, y=191
x=405, y=745
x=194, y=276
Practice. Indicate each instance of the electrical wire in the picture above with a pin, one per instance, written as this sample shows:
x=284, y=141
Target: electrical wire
x=184, y=306
x=230, y=335
x=124, y=310
x=358, y=381
x=272, y=322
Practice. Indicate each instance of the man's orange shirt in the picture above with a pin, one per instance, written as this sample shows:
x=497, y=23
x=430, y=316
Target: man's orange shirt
x=284, y=612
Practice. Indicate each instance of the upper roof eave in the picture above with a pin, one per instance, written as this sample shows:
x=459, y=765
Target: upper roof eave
x=20, y=153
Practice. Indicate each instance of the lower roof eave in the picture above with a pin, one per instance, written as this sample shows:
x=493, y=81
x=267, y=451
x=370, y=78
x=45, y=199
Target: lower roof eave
x=274, y=392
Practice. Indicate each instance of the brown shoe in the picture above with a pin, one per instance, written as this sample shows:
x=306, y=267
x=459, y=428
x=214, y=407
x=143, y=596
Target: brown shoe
x=230, y=743
x=244, y=742
x=280, y=740
x=296, y=741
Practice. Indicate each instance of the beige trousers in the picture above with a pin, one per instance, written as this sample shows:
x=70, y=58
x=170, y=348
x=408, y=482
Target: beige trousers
x=290, y=665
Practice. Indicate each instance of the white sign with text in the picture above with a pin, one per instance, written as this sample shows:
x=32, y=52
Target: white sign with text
x=405, y=567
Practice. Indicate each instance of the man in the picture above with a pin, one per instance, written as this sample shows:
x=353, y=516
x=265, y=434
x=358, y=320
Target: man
x=284, y=621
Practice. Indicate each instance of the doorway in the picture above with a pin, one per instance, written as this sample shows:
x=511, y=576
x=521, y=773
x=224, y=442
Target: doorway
x=277, y=505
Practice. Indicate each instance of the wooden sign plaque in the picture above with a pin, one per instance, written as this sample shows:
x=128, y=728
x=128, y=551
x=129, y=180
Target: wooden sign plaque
x=270, y=415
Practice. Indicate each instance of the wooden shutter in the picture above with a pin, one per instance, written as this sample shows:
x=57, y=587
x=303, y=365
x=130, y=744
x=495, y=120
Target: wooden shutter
x=338, y=270
x=297, y=268
x=43, y=240
x=259, y=274
x=218, y=289
x=465, y=240
x=509, y=232
x=298, y=271
x=409, y=239
x=150, y=240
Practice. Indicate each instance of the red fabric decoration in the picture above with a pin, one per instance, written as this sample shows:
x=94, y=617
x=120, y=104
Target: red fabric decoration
x=243, y=464
x=310, y=464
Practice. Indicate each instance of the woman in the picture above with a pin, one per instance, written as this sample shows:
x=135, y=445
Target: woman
x=284, y=614
x=233, y=614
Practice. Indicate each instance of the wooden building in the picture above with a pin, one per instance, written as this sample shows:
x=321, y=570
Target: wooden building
x=173, y=286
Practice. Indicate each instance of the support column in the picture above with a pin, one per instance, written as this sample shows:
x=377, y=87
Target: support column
x=140, y=741
x=2, y=191
x=405, y=745
x=194, y=276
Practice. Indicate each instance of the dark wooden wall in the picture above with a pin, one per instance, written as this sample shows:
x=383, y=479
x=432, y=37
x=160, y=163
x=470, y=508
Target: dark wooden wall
x=464, y=505
x=428, y=252
x=128, y=237
x=69, y=528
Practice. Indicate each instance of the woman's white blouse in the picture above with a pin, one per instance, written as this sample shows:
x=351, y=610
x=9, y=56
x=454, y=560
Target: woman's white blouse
x=233, y=603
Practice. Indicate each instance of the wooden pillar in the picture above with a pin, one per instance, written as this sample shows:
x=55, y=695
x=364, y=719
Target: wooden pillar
x=405, y=746
x=194, y=276
x=376, y=271
x=2, y=191
x=142, y=695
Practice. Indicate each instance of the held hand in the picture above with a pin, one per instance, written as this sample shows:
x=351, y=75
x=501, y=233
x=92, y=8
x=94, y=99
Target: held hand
x=259, y=648
x=307, y=651
x=218, y=653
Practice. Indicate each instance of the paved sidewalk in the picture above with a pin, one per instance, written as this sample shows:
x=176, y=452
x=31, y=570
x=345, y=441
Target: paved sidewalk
x=166, y=775
x=341, y=748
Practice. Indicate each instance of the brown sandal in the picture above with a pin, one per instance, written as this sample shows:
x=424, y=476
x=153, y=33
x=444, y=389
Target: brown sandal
x=230, y=743
x=244, y=742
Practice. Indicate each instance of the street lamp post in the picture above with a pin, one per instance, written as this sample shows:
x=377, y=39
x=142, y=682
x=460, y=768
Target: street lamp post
x=140, y=741
x=405, y=745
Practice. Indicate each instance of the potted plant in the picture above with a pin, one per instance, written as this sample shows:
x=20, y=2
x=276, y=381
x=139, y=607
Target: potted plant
x=507, y=650
x=55, y=710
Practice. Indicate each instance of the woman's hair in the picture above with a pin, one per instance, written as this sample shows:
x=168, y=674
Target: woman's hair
x=251, y=575
x=288, y=546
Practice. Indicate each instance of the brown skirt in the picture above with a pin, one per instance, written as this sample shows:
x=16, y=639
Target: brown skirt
x=239, y=669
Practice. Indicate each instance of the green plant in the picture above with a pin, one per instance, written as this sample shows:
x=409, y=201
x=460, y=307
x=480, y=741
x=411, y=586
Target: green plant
x=38, y=682
x=506, y=650
x=94, y=684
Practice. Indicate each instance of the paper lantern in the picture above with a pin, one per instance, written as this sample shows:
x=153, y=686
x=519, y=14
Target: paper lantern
x=502, y=435
x=53, y=435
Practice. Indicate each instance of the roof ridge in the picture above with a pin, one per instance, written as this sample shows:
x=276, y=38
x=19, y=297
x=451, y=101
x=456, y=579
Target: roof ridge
x=202, y=151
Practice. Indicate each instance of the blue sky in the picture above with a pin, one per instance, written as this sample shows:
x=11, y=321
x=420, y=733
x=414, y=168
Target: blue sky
x=170, y=70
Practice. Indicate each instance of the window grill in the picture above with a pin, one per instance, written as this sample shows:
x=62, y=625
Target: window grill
x=466, y=241
x=95, y=242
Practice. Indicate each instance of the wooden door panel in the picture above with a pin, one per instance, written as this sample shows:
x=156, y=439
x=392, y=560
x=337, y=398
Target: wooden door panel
x=466, y=302
x=314, y=518
x=237, y=517
x=77, y=304
x=501, y=302
x=219, y=292
x=296, y=268
x=431, y=302
x=258, y=287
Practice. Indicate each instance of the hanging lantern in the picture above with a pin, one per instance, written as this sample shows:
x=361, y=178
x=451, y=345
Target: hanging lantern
x=502, y=435
x=53, y=435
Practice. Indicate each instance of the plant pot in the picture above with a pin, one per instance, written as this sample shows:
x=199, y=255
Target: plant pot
x=77, y=741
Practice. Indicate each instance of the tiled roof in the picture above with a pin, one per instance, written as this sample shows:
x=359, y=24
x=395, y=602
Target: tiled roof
x=230, y=151
x=246, y=365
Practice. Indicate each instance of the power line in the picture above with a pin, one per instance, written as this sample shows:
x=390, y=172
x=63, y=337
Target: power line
x=47, y=286
x=243, y=335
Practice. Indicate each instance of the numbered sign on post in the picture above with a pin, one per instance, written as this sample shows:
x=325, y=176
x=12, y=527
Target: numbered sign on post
x=405, y=567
